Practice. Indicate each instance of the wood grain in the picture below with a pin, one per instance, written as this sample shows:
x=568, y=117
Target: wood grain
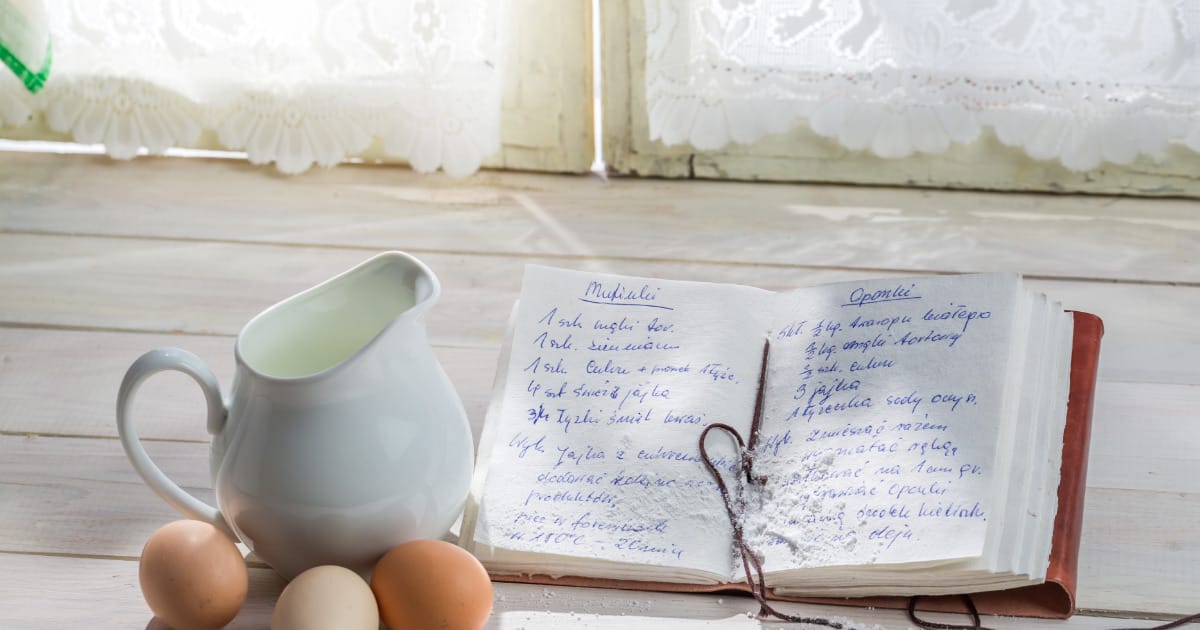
x=1144, y=436
x=69, y=592
x=42, y=393
x=100, y=262
x=1137, y=552
x=214, y=288
x=66, y=592
x=816, y=226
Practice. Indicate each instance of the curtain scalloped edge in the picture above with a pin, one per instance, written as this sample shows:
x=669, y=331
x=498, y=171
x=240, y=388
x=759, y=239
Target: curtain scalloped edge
x=138, y=115
x=890, y=131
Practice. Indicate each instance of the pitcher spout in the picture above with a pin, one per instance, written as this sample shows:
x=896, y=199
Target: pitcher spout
x=317, y=330
x=342, y=436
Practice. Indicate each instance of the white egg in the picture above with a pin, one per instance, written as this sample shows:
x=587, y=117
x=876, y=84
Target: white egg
x=326, y=598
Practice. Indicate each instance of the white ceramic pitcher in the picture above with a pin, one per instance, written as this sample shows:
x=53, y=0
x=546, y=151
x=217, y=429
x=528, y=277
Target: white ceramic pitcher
x=342, y=436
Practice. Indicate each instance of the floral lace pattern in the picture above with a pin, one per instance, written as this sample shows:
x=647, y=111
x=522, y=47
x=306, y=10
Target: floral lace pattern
x=1080, y=81
x=294, y=82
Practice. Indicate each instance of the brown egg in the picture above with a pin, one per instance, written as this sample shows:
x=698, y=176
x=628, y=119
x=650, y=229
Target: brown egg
x=193, y=577
x=428, y=584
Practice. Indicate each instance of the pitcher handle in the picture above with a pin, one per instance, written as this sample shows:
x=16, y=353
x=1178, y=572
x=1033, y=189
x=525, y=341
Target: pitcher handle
x=148, y=364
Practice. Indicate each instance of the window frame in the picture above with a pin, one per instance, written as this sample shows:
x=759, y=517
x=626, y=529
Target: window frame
x=546, y=108
x=801, y=155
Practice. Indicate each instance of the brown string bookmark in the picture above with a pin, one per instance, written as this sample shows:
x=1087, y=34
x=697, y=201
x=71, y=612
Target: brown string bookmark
x=735, y=505
x=970, y=604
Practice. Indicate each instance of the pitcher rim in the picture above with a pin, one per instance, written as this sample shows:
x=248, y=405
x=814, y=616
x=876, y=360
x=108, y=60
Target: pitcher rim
x=416, y=310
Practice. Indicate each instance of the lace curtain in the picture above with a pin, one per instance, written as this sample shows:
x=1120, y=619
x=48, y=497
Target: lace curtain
x=294, y=82
x=1080, y=81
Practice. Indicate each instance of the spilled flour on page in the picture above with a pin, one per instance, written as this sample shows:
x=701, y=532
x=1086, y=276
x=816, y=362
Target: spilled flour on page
x=789, y=527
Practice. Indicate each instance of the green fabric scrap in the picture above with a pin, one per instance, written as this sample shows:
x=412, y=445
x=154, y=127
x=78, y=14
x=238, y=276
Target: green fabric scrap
x=25, y=41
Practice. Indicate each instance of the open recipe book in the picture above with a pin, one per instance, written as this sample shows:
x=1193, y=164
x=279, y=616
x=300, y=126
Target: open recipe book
x=912, y=436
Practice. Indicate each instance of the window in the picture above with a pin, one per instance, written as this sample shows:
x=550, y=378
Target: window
x=1058, y=95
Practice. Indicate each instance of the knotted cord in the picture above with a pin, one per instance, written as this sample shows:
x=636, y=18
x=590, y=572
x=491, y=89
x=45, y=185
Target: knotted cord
x=735, y=507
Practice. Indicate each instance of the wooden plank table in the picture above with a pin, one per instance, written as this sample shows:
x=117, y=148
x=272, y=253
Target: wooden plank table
x=100, y=261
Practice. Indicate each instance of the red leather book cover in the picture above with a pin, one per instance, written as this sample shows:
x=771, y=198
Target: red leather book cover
x=1055, y=598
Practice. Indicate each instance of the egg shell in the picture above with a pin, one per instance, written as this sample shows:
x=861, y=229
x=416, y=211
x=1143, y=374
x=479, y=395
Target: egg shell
x=192, y=576
x=431, y=584
x=326, y=598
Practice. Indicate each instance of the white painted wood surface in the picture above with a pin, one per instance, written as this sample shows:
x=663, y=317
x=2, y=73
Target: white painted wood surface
x=100, y=262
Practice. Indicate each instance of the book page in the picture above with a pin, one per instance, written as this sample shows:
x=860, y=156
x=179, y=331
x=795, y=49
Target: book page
x=883, y=402
x=610, y=382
